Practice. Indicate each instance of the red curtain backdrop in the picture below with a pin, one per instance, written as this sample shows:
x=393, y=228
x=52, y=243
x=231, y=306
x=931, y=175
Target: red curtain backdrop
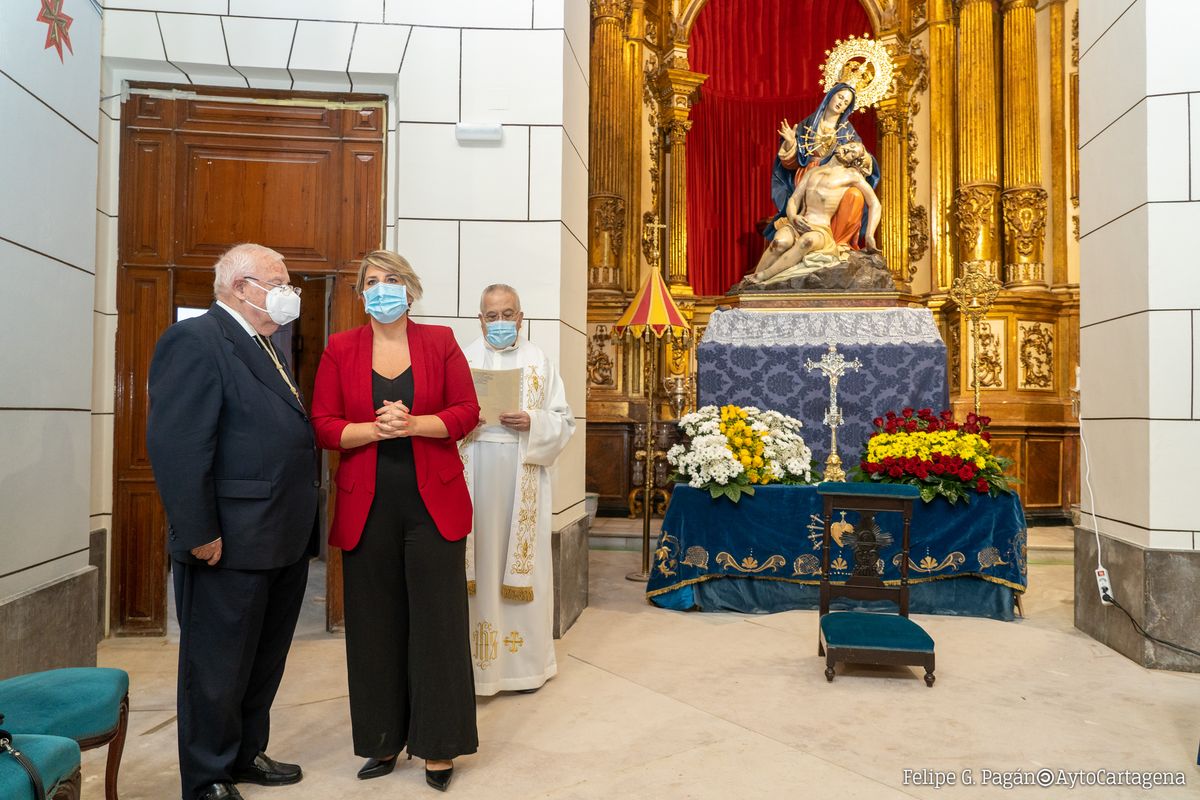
x=763, y=60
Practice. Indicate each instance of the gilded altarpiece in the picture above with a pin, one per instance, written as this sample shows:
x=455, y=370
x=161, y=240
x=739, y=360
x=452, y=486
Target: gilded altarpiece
x=956, y=185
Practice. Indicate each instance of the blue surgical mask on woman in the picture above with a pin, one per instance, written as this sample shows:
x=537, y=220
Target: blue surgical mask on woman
x=386, y=302
x=501, y=333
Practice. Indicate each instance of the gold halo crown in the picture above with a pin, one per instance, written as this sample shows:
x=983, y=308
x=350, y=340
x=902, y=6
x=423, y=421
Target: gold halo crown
x=864, y=64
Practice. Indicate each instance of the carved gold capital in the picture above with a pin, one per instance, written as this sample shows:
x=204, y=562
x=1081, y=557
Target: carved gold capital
x=975, y=212
x=1024, y=235
x=1012, y=5
x=677, y=129
x=677, y=88
x=890, y=120
x=1025, y=220
x=615, y=9
x=607, y=213
x=610, y=219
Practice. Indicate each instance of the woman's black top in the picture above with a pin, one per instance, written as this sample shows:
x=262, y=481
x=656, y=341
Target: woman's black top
x=395, y=467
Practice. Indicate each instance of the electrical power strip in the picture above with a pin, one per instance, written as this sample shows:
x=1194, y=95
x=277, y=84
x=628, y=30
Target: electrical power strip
x=1105, y=586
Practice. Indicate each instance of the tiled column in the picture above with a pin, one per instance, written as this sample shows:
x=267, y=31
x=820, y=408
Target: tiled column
x=48, y=315
x=1140, y=318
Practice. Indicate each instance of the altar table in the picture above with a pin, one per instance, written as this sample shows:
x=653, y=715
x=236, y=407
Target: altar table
x=757, y=358
x=763, y=554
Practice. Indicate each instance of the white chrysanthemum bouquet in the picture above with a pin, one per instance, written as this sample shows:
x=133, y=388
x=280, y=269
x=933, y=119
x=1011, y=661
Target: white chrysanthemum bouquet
x=734, y=449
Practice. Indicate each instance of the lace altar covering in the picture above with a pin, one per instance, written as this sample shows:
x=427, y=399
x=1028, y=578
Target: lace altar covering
x=887, y=326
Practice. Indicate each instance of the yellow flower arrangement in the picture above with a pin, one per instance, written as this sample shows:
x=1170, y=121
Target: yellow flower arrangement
x=745, y=443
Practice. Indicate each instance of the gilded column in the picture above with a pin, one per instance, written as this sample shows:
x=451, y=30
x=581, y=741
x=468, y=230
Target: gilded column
x=677, y=85
x=607, y=184
x=1058, y=142
x=942, y=59
x=631, y=158
x=893, y=167
x=1024, y=199
x=976, y=197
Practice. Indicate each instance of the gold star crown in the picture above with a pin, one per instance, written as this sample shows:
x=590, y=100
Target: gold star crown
x=861, y=63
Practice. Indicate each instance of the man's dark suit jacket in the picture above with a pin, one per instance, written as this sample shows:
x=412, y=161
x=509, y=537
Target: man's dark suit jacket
x=232, y=449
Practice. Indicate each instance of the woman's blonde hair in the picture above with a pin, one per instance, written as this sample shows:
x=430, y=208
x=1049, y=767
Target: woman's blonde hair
x=393, y=264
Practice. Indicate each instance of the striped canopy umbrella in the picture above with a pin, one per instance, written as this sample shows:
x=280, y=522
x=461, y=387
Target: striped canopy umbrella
x=653, y=308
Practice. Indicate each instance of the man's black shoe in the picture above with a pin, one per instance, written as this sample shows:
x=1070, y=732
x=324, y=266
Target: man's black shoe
x=266, y=771
x=220, y=791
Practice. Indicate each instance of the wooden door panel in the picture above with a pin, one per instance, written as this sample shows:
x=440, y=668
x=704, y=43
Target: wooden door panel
x=363, y=123
x=1010, y=447
x=139, y=525
x=191, y=288
x=145, y=219
x=240, y=190
x=144, y=111
x=1043, y=473
x=139, y=559
x=609, y=454
x=144, y=310
x=251, y=119
x=362, y=198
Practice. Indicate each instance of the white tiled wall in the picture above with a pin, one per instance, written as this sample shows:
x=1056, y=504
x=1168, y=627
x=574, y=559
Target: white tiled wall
x=1140, y=292
x=475, y=181
x=48, y=154
x=48, y=171
x=465, y=214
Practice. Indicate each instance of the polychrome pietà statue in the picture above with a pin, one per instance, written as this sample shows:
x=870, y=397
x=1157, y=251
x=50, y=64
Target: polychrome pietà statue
x=823, y=185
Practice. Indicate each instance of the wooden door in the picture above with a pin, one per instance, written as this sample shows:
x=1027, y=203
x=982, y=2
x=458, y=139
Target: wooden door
x=200, y=172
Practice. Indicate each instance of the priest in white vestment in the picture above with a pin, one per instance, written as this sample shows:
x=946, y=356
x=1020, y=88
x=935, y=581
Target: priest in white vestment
x=510, y=576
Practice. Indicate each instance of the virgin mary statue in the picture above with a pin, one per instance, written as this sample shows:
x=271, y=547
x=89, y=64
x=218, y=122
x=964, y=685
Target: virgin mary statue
x=812, y=143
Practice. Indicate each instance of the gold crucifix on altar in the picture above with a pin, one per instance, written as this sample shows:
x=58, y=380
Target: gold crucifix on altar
x=833, y=366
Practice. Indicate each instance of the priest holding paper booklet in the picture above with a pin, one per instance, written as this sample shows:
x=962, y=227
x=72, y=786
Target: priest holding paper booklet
x=525, y=423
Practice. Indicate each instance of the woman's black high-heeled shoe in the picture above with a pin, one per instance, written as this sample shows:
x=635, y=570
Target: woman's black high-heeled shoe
x=376, y=768
x=439, y=778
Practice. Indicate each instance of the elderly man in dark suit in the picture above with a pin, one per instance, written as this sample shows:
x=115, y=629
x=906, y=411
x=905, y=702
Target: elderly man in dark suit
x=235, y=461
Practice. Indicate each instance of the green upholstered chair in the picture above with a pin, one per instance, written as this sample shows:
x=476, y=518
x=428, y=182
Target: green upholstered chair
x=87, y=704
x=863, y=637
x=56, y=759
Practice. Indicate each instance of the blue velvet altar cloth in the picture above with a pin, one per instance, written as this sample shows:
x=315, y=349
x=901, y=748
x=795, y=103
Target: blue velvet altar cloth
x=763, y=554
x=757, y=359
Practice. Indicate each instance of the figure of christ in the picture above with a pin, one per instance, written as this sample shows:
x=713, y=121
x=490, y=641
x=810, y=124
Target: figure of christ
x=811, y=144
x=804, y=236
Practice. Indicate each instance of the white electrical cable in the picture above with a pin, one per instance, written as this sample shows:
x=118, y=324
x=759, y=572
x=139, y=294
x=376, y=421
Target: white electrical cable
x=1087, y=480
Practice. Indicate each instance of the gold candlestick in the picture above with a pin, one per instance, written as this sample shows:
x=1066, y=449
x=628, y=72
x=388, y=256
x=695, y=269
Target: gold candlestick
x=974, y=291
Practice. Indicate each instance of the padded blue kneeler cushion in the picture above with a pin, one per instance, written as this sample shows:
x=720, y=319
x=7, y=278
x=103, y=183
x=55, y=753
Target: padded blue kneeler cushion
x=78, y=703
x=902, y=491
x=869, y=631
x=55, y=758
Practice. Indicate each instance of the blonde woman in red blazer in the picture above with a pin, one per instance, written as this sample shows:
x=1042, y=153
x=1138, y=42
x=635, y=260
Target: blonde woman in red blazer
x=394, y=397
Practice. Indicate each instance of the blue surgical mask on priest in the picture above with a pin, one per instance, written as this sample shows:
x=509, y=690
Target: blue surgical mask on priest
x=500, y=316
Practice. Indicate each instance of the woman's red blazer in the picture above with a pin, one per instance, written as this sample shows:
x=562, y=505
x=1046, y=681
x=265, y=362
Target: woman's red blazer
x=442, y=386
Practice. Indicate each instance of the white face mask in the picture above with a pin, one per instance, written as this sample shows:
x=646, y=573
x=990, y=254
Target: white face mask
x=283, y=303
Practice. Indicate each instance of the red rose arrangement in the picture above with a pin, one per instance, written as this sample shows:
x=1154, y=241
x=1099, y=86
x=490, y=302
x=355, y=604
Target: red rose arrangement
x=935, y=453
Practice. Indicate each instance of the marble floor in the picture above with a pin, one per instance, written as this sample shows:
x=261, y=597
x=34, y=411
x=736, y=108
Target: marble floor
x=657, y=704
